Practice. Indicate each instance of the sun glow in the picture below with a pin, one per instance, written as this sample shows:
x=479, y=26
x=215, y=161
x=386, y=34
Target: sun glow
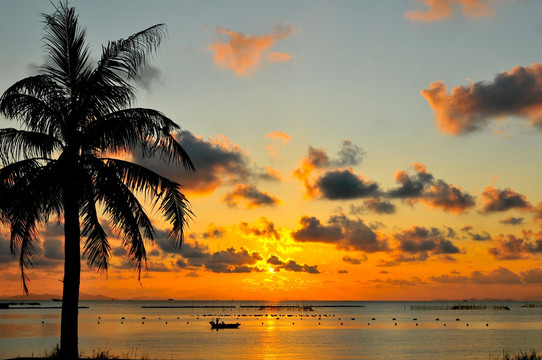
x=271, y=270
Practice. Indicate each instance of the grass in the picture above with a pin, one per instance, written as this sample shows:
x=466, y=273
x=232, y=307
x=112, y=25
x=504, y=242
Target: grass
x=521, y=356
x=96, y=355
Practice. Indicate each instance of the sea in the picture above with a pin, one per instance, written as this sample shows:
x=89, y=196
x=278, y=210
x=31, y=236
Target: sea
x=281, y=330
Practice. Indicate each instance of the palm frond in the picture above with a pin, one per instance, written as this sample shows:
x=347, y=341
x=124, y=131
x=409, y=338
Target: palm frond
x=64, y=42
x=19, y=144
x=125, y=212
x=129, y=56
x=148, y=129
x=173, y=204
x=37, y=102
x=96, y=248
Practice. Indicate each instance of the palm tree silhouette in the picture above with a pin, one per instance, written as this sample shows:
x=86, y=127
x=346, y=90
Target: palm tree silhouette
x=74, y=118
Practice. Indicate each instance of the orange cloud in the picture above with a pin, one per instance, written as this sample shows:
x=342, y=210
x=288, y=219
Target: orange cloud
x=495, y=200
x=468, y=108
x=243, y=53
x=443, y=9
x=280, y=139
x=279, y=57
x=251, y=195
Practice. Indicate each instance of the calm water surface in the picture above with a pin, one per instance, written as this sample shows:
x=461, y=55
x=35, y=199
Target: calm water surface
x=333, y=330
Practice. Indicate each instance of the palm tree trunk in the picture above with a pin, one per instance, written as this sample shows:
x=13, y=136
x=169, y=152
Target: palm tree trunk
x=72, y=274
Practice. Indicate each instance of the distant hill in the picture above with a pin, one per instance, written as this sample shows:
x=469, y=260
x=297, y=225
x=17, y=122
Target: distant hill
x=82, y=296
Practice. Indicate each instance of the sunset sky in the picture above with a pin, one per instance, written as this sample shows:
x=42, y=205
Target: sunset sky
x=371, y=150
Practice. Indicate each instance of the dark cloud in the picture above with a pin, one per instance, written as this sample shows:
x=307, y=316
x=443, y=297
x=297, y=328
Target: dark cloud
x=418, y=243
x=5, y=254
x=512, y=247
x=53, y=249
x=422, y=186
x=213, y=232
x=376, y=205
x=512, y=221
x=328, y=185
x=291, y=265
x=312, y=230
x=148, y=77
x=411, y=186
x=480, y=237
x=532, y=276
x=349, y=155
x=344, y=184
x=354, y=261
x=341, y=231
x=342, y=272
x=263, y=228
x=469, y=108
x=498, y=276
x=495, y=200
x=250, y=195
x=196, y=255
x=217, y=162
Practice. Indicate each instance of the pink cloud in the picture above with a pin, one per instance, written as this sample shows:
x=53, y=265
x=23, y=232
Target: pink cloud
x=517, y=92
x=443, y=9
x=243, y=53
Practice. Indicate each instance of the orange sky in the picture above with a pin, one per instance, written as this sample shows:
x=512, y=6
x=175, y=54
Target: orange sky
x=351, y=150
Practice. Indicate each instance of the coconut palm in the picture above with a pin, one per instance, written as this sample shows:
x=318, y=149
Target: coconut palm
x=75, y=118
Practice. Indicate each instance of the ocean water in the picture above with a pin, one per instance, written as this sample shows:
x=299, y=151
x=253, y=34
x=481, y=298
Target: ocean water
x=332, y=330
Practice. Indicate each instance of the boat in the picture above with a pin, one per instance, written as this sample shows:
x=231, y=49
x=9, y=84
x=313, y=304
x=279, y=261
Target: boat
x=222, y=325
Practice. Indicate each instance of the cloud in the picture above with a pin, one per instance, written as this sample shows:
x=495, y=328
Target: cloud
x=512, y=221
x=5, y=254
x=354, y=261
x=196, y=255
x=480, y=237
x=148, y=77
x=512, y=247
x=250, y=195
x=291, y=265
x=213, y=232
x=231, y=261
x=532, y=276
x=498, y=276
x=53, y=249
x=217, y=162
x=418, y=243
x=244, y=53
x=495, y=200
x=422, y=186
x=469, y=108
x=263, y=228
x=444, y=9
x=379, y=206
x=319, y=181
x=344, y=233
x=280, y=139
x=344, y=184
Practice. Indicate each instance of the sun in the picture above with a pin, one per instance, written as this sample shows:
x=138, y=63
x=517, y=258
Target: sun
x=271, y=270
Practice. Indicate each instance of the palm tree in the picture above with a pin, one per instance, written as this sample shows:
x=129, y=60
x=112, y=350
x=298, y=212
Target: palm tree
x=74, y=117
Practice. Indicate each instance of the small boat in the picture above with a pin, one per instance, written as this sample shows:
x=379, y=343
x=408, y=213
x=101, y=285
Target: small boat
x=222, y=325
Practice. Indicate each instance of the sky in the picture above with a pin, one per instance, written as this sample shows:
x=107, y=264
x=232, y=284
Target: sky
x=345, y=150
